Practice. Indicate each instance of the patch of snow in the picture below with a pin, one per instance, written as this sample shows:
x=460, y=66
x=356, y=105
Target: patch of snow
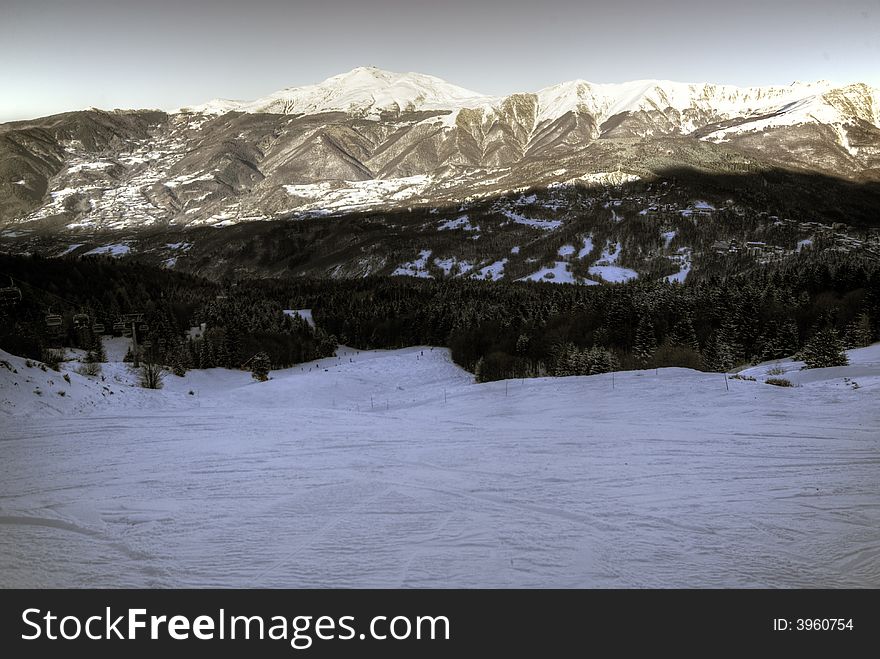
x=493, y=271
x=116, y=250
x=545, y=225
x=462, y=222
x=447, y=265
x=71, y=248
x=587, y=248
x=613, y=273
x=305, y=314
x=559, y=273
x=415, y=268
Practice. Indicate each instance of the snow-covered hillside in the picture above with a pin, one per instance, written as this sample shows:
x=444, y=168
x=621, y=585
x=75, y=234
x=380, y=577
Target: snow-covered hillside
x=393, y=468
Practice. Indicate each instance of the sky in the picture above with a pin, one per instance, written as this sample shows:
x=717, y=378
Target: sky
x=58, y=55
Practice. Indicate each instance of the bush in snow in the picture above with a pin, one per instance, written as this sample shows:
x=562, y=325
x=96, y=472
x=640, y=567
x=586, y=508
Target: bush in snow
x=260, y=366
x=52, y=358
x=89, y=369
x=779, y=382
x=151, y=375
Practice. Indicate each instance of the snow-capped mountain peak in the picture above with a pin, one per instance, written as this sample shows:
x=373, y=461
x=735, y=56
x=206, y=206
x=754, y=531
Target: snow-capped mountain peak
x=684, y=107
x=366, y=91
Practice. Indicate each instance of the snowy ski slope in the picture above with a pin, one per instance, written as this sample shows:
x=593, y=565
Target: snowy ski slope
x=393, y=468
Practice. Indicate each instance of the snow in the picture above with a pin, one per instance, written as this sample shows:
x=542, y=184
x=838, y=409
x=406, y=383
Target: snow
x=356, y=195
x=804, y=244
x=305, y=314
x=493, y=271
x=559, y=273
x=683, y=259
x=449, y=264
x=546, y=225
x=863, y=370
x=366, y=91
x=604, y=101
x=20, y=181
x=587, y=248
x=416, y=268
x=566, y=250
x=116, y=250
x=514, y=249
x=71, y=248
x=836, y=108
x=462, y=222
x=613, y=273
x=607, y=269
x=680, y=276
x=395, y=470
x=608, y=179
x=668, y=237
x=92, y=166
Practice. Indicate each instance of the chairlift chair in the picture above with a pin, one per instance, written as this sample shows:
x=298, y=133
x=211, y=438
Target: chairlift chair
x=147, y=345
x=118, y=328
x=98, y=328
x=10, y=295
x=53, y=320
x=81, y=320
x=143, y=327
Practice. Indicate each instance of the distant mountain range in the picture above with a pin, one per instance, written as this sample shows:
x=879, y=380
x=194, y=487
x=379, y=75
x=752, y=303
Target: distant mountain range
x=372, y=141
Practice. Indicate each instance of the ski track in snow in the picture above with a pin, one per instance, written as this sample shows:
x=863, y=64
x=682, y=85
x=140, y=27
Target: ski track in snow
x=304, y=481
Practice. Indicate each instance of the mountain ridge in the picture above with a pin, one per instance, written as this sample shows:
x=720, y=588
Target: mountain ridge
x=393, y=144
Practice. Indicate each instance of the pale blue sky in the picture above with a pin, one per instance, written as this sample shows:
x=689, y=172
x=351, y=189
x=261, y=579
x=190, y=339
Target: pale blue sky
x=62, y=55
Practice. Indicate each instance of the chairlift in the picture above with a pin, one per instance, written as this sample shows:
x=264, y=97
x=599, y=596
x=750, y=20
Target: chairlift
x=81, y=320
x=118, y=328
x=98, y=328
x=53, y=320
x=143, y=327
x=10, y=295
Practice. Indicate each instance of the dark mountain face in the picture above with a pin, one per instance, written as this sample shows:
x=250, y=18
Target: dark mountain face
x=379, y=173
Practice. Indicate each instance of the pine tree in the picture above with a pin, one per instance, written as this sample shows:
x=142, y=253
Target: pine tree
x=824, y=349
x=789, y=338
x=858, y=332
x=683, y=334
x=98, y=352
x=179, y=361
x=719, y=356
x=260, y=366
x=645, y=344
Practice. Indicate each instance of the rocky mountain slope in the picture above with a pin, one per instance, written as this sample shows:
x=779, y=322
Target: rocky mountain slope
x=371, y=142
